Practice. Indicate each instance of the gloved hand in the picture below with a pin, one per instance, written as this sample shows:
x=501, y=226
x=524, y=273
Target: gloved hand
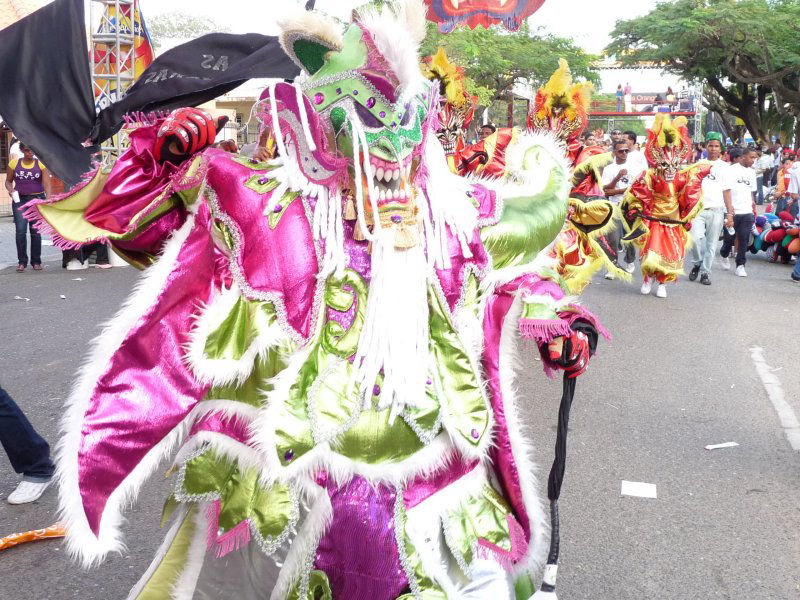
x=185, y=132
x=571, y=353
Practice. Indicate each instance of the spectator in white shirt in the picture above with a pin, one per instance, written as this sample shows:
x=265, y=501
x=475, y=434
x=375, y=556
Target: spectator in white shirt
x=743, y=191
x=794, y=189
x=617, y=178
x=716, y=203
x=635, y=157
x=763, y=169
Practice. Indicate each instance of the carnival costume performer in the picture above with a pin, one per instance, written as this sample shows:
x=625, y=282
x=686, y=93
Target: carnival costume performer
x=580, y=250
x=659, y=207
x=457, y=107
x=328, y=338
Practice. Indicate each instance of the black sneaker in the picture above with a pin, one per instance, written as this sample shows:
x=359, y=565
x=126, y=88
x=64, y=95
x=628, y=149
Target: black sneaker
x=694, y=272
x=795, y=277
x=705, y=279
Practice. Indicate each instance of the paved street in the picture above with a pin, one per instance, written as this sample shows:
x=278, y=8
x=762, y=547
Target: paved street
x=8, y=248
x=679, y=375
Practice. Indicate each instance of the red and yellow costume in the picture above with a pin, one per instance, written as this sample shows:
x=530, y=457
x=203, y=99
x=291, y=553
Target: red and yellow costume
x=456, y=105
x=660, y=206
x=580, y=250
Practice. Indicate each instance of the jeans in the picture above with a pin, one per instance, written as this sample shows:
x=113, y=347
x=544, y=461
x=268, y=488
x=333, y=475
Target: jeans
x=705, y=234
x=743, y=224
x=613, y=237
x=619, y=104
x=22, y=226
x=28, y=452
x=760, y=194
x=796, y=271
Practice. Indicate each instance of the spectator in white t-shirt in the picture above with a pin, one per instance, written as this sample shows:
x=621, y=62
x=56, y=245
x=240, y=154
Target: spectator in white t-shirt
x=794, y=189
x=707, y=226
x=763, y=168
x=743, y=191
x=617, y=179
x=636, y=157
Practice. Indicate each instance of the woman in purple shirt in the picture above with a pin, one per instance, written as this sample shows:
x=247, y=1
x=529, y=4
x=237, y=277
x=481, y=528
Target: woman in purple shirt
x=26, y=179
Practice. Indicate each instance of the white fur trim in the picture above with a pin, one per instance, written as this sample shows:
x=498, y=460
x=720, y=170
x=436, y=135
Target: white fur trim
x=299, y=23
x=521, y=448
x=305, y=545
x=395, y=31
x=182, y=510
x=444, y=500
x=244, y=456
x=225, y=371
x=186, y=583
x=81, y=541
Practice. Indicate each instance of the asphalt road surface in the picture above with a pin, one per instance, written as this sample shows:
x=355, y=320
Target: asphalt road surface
x=681, y=373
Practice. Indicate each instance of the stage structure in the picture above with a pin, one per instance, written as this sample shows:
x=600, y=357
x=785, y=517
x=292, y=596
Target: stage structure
x=120, y=51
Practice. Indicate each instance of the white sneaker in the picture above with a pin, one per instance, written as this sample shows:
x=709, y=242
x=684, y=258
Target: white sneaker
x=661, y=292
x=76, y=265
x=726, y=263
x=740, y=272
x=630, y=268
x=27, y=491
x=609, y=276
x=647, y=286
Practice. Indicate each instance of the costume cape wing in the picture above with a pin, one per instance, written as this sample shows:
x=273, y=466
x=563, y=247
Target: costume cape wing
x=131, y=402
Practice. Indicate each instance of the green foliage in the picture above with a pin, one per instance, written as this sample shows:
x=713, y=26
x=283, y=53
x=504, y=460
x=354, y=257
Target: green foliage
x=495, y=59
x=745, y=51
x=180, y=26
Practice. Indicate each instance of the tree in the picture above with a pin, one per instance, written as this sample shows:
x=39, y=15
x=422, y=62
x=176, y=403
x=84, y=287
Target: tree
x=180, y=26
x=745, y=51
x=495, y=60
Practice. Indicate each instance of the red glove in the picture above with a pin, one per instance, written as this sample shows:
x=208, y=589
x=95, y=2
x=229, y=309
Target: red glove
x=186, y=131
x=687, y=226
x=574, y=355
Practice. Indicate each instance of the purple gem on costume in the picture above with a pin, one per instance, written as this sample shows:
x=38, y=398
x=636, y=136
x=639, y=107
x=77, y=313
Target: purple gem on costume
x=376, y=390
x=355, y=92
x=278, y=208
x=288, y=455
x=383, y=114
x=263, y=180
x=396, y=219
x=319, y=98
x=475, y=434
x=394, y=124
x=339, y=90
x=429, y=382
x=370, y=102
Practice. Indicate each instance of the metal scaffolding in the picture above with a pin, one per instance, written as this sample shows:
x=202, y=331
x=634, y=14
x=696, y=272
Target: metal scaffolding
x=112, y=45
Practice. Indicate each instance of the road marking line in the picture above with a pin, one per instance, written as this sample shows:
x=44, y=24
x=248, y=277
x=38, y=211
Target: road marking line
x=638, y=489
x=718, y=446
x=787, y=416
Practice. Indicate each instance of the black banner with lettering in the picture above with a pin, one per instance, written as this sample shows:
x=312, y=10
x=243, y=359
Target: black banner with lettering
x=196, y=72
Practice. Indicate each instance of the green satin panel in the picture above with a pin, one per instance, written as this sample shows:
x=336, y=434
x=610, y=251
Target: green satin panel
x=162, y=581
x=374, y=440
x=248, y=162
x=528, y=223
x=273, y=218
x=428, y=588
x=469, y=410
x=254, y=183
x=252, y=390
x=524, y=587
x=170, y=505
x=483, y=516
x=245, y=322
x=318, y=588
x=340, y=294
x=537, y=311
x=241, y=495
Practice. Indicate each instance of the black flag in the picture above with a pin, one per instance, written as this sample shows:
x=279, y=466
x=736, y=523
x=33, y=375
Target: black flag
x=196, y=72
x=45, y=86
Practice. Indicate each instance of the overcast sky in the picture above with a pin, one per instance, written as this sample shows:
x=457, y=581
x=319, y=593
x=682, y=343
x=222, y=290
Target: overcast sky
x=589, y=21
